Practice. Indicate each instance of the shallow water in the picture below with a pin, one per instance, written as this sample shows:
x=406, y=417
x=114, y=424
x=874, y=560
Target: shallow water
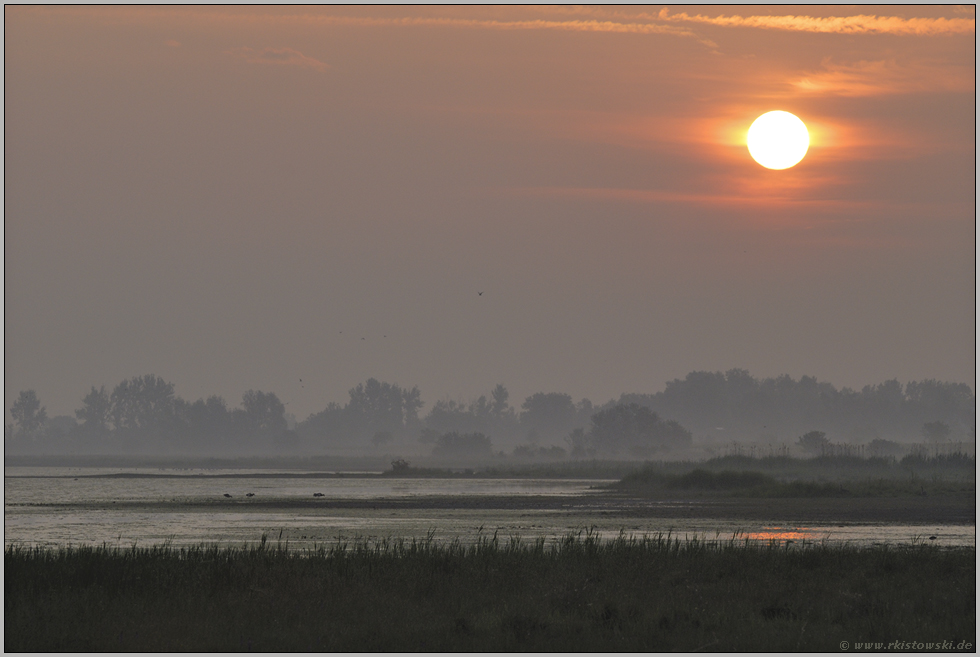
x=26, y=486
x=75, y=506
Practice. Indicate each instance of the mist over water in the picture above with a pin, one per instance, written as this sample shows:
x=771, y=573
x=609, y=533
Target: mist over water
x=141, y=465
x=81, y=506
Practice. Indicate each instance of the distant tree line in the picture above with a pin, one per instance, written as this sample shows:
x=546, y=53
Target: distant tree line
x=144, y=415
x=736, y=406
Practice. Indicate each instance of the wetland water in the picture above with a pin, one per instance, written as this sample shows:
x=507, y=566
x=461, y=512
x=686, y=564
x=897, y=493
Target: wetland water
x=146, y=506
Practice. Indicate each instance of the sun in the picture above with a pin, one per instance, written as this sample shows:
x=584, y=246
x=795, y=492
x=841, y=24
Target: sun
x=778, y=140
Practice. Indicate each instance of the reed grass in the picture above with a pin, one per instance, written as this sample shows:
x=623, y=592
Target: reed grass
x=577, y=593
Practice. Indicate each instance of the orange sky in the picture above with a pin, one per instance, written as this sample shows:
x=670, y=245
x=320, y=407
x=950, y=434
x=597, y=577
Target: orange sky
x=212, y=194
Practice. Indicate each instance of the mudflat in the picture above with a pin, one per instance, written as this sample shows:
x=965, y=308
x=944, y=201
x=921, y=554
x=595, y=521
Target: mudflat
x=945, y=509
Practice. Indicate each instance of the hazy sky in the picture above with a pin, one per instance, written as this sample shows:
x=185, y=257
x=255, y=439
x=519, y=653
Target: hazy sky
x=232, y=198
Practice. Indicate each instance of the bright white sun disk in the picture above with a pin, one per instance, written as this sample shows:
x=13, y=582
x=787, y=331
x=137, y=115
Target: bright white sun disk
x=778, y=140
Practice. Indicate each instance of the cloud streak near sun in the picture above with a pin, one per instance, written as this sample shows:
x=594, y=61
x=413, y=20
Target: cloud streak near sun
x=874, y=78
x=861, y=24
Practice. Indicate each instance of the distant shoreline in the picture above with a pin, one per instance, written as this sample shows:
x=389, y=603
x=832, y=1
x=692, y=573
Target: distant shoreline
x=202, y=475
x=950, y=510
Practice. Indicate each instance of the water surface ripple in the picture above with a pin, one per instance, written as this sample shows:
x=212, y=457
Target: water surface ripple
x=123, y=507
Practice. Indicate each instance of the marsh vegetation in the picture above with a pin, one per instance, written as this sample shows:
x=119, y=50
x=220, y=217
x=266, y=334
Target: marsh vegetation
x=577, y=593
x=827, y=476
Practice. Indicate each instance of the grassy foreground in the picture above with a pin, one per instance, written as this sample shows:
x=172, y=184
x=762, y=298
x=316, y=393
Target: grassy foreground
x=576, y=594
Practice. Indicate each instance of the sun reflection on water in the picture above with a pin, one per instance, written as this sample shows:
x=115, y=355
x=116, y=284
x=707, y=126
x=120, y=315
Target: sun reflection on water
x=780, y=534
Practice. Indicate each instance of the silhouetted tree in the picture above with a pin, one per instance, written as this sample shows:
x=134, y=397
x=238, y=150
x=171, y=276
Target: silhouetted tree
x=262, y=414
x=207, y=423
x=377, y=406
x=411, y=405
x=143, y=404
x=330, y=424
x=548, y=416
x=499, y=407
x=814, y=442
x=483, y=415
x=747, y=408
x=28, y=414
x=636, y=430
x=96, y=412
x=374, y=407
x=448, y=415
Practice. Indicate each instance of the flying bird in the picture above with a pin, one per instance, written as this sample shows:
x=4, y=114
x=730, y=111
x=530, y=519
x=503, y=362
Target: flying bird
x=479, y=294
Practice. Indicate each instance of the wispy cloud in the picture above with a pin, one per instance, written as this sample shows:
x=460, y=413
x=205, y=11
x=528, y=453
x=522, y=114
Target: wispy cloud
x=253, y=15
x=861, y=24
x=538, y=24
x=584, y=19
x=874, y=78
x=282, y=56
